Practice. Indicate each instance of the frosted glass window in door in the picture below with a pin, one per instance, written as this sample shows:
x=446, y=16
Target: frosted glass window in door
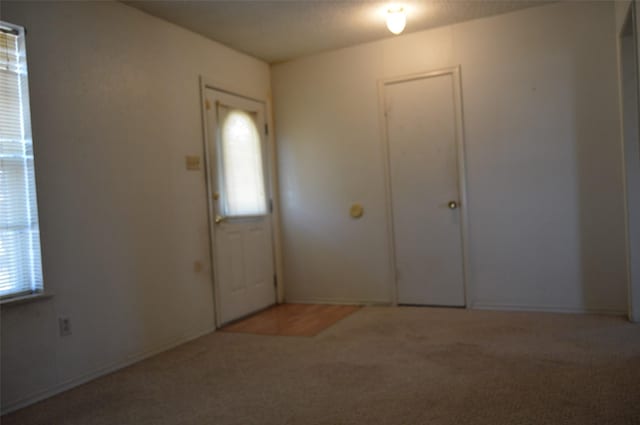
x=242, y=171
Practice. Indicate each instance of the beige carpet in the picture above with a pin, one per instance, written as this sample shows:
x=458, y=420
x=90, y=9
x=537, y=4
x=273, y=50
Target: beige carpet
x=379, y=366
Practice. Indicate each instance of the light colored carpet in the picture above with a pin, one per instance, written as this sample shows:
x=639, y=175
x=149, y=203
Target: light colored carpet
x=379, y=366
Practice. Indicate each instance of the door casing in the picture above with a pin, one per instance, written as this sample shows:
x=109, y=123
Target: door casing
x=462, y=185
x=271, y=176
x=626, y=63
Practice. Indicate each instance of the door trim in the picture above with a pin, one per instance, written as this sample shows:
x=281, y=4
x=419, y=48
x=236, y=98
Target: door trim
x=462, y=177
x=633, y=311
x=272, y=186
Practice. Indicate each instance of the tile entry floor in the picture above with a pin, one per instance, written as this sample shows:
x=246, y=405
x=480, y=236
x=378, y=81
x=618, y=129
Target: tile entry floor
x=292, y=319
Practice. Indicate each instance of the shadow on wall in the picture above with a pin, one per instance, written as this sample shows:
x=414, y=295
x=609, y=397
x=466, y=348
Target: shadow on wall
x=322, y=261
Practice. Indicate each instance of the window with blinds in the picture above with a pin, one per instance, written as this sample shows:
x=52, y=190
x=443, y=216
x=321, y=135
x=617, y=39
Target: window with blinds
x=242, y=174
x=20, y=265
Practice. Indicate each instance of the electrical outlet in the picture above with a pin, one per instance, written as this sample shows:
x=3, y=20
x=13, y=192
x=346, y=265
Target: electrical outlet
x=64, y=323
x=197, y=266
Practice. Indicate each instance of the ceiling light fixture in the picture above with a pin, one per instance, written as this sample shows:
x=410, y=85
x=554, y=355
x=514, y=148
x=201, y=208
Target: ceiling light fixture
x=396, y=19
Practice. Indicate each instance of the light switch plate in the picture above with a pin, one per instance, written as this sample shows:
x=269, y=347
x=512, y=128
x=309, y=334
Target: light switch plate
x=192, y=162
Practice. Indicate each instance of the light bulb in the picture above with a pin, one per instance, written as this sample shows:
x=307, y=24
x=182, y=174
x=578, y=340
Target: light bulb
x=396, y=20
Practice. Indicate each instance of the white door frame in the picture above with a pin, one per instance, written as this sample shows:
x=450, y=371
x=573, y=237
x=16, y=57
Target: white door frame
x=462, y=179
x=633, y=310
x=272, y=186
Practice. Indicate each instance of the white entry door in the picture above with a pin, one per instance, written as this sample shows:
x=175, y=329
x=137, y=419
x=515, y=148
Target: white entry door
x=240, y=207
x=424, y=152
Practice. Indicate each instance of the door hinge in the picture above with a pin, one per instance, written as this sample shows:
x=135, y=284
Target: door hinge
x=270, y=205
x=207, y=104
x=275, y=280
x=266, y=129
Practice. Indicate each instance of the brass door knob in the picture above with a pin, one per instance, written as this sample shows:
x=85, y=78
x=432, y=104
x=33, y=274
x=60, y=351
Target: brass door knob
x=219, y=219
x=453, y=205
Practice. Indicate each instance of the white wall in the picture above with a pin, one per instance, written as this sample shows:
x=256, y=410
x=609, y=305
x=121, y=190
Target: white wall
x=543, y=160
x=628, y=85
x=115, y=108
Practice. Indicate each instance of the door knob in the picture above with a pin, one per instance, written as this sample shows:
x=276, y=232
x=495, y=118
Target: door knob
x=219, y=219
x=453, y=205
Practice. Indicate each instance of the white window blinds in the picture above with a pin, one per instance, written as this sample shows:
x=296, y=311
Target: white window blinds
x=20, y=265
x=242, y=174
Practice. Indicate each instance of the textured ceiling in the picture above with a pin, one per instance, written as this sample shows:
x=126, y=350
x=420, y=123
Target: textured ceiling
x=276, y=31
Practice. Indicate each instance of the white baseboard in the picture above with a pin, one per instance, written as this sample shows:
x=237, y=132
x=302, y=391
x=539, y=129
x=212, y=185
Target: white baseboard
x=548, y=309
x=337, y=301
x=476, y=306
x=101, y=371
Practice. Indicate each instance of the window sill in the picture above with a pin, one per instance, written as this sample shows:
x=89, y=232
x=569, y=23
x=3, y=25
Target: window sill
x=40, y=296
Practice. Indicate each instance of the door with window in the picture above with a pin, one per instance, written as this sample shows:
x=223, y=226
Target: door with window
x=426, y=170
x=240, y=206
